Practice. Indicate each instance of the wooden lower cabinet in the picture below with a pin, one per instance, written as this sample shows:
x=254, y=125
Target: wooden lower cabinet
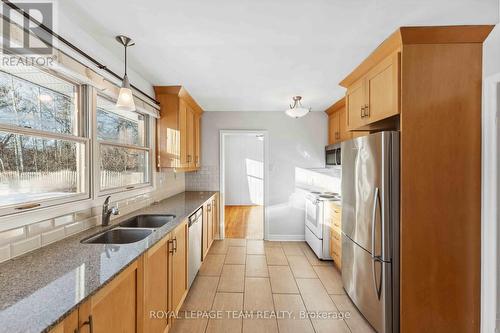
x=114, y=307
x=204, y=230
x=156, y=271
x=210, y=223
x=215, y=216
x=68, y=325
x=333, y=213
x=179, y=258
x=143, y=297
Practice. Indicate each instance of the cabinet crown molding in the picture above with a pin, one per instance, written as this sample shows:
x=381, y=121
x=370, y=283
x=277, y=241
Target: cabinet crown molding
x=336, y=106
x=419, y=35
x=182, y=93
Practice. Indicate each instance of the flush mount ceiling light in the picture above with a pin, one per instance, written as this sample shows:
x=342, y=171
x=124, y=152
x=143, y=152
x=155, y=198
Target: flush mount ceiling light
x=297, y=110
x=125, y=98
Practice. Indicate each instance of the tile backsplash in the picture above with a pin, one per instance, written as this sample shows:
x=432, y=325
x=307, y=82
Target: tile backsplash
x=18, y=241
x=205, y=179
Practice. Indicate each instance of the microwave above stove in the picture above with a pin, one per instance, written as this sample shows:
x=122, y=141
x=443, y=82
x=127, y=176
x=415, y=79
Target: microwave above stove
x=332, y=156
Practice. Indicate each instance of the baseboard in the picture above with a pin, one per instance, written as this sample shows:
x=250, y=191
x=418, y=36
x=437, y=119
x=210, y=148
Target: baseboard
x=286, y=238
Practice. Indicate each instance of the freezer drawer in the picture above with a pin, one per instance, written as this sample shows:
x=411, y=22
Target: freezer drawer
x=361, y=277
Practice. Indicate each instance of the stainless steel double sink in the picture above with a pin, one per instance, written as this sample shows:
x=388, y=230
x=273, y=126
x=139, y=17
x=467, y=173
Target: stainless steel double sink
x=130, y=231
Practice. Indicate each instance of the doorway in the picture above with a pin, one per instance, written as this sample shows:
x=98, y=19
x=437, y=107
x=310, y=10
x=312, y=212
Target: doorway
x=243, y=183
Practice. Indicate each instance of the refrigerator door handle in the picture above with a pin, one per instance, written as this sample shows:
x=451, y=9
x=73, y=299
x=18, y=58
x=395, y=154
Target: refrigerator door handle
x=378, y=285
x=376, y=200
x=375, y=258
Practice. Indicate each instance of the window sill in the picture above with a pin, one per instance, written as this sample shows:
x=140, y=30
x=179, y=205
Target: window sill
x=20, y=219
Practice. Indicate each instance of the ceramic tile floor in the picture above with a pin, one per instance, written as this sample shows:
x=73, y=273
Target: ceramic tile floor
x=242, y=282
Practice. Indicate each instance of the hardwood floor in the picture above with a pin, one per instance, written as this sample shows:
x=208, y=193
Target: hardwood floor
x=257, y=279
x=244, y=222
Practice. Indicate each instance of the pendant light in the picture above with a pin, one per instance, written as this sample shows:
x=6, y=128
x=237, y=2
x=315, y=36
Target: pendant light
x=125, y=97
x=296, y=109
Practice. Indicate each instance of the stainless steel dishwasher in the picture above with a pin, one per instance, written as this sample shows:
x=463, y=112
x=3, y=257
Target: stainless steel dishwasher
x=195, y=233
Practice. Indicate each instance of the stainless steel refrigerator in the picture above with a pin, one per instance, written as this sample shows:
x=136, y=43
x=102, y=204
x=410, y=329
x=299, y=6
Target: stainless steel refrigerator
x=370, y=227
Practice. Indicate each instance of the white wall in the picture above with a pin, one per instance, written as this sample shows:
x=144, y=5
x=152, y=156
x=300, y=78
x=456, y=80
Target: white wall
x=293, y=144
x=490, y=239
x=244, y=170
x=78, y=30
x=491, y=53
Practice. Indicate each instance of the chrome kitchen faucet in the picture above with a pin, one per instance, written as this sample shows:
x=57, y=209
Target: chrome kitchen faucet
x=106, y=211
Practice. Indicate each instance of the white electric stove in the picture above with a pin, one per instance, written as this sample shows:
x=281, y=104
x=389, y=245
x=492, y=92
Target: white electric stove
x=317, y=230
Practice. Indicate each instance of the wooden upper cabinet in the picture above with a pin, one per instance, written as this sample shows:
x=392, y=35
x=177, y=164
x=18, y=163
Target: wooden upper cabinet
x=337, y=123
x=355, y=104
x=179, y=259
x=344, y=134
x=178, y=129
x=334, y=128
x=383, y=89
x=167, y=132
x=190, y=138
x=375, y=96
x=183, y=134
x=197, y=140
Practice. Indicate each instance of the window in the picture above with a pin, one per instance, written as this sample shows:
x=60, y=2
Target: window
x=42, y=144
x=123, y=147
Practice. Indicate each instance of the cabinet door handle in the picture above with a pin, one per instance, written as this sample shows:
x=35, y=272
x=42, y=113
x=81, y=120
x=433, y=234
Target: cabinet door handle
x=362, y=112
x=175, y=244
x=367, y=111
x=88, y=322
x=170, y=249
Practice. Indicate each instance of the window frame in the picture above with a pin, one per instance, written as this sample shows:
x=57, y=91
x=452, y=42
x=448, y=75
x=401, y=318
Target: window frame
x=96, y=156
x=82, y=138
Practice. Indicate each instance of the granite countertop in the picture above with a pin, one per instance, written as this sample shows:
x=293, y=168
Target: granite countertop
x=40, y=288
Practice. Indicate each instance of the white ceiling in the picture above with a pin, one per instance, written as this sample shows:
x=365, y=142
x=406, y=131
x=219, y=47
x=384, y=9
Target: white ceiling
x=254, y=55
